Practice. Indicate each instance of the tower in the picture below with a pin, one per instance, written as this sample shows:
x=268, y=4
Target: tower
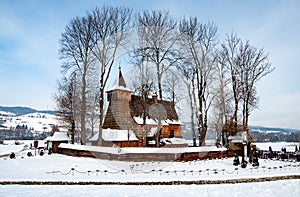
x=118, y=114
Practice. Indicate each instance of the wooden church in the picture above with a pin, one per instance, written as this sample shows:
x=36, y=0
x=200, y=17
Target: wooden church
x=124, y=117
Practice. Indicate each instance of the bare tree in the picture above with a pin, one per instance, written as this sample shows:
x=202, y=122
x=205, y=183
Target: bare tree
x=247, y=65
x=172, y=86
x=229, y=52
x=158, y=30
x=111, y=25
x=93, y=101
x=65, y=100
x=200, y=42
x=222, y=104
x=253, y=65
x=76, y=44
x=187, y=74
x=143, y=80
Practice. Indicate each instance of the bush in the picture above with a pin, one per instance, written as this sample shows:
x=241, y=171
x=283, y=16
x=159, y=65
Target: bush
x=12, y=155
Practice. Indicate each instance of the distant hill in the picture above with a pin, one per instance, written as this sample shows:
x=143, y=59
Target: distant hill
x=273, y=129
x=274, y=134
x=259, y=133
x=19, y=111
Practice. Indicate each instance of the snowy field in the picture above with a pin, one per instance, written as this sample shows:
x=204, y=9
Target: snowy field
x=56, y=167
x=38, y=122
x=265, y=189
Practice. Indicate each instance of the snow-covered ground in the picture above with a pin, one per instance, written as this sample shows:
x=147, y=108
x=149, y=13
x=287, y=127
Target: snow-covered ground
x=56, y=167
x=38, y=122
x=289, y=188
x=276, y=146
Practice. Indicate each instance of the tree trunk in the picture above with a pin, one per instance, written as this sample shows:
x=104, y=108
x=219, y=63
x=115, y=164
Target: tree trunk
x=101, y=103
x=236, y=106
x=192, y=113
x=247, y=113
x=83, y=110
x=158, y=133
x=73, y=132
x=202, y=130
x=144, y=118
x=159, y=81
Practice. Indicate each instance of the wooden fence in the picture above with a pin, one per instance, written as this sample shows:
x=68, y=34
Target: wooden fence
x=141, y=157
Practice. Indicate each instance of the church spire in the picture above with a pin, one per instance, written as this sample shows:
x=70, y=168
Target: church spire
x=120, y=83
x=120, y=79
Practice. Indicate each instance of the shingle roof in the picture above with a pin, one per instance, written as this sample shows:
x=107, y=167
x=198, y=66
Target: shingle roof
x=136, y=106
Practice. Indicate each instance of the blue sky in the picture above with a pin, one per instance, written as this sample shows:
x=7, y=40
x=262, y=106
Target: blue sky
x=30, y=31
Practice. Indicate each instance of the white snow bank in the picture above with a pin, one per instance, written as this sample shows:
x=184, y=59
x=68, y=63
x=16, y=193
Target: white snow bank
x=114, y=150
x=277, y=188
x=277, y=146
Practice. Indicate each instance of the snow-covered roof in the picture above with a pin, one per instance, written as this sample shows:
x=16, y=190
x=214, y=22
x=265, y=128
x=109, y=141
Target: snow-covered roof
x=139, y=120
x=175, y=140
x=60, y=136
x=152, y=132
x=168, y=121
x=49, y=138
x=239, y=137
x=115, y=135
x=149, y=121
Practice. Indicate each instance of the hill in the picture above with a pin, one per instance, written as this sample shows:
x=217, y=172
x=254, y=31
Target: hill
x=274, y=134
x=19, y=111
x=259, y=133
x=273, y=129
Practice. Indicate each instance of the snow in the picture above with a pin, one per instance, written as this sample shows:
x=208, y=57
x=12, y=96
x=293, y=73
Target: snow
x=117, y=87
x=277, y=188
x=59, y=136
x=40, y=122
x=116, y=150
x=5, y=113
x=168, y=121
x=276, y=146
x=57, y=167
x=176, y=140
x=115, y=135
x=152, y=132
x=151, y=121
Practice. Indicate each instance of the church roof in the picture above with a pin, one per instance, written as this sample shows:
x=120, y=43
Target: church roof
x=136, y=106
